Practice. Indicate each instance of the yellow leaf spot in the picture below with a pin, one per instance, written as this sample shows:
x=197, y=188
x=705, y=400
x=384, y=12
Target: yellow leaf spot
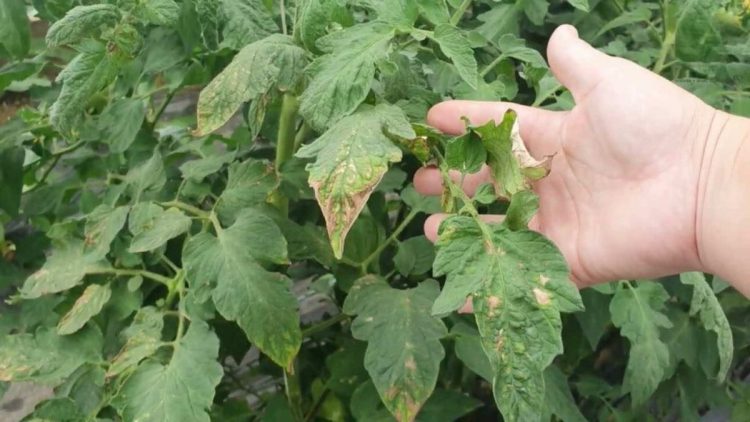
x=493, y=302
x=410, y=364
x=542, y=297
x=543, y=279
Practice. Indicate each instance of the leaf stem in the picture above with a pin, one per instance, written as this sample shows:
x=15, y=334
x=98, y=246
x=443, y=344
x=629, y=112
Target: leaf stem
x=175, y=288
x=143, y=273
x=322, y=325
x=162, y=108
x=285, y=142
x=282, y=9
x=293, y=392
x=396, y=232
x=459, y=13
x=216, y=223
x=316, y=406
x=186, y=207
x=492, y=65
x=302, y=134
x=670, y=37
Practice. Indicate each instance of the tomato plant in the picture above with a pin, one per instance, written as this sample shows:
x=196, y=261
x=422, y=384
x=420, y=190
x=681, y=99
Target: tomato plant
x=207, y=214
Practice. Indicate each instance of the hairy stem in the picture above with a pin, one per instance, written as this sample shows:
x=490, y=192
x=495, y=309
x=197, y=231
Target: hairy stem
x=143, y=273
x=459, y=13
x=285, y=142
x=396, y=232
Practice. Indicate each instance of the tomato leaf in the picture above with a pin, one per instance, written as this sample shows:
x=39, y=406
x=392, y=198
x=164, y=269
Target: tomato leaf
x=88, y=305
x=82, y=22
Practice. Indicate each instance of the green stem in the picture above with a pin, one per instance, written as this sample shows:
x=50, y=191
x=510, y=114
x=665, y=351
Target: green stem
x=316, y=406
x=175, y=289
x=302, y=134
x=293, y=392
x=670, y=37
x=132, y=273
x=162, y=108
x=459, y=13
x=285, y=144
x=314, y=329
x=186, y=207
x=491, y=66
x=396, y=232
x=215, y=222
x=283, y=16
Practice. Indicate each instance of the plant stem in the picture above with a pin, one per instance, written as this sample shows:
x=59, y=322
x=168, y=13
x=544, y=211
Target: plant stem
x=143, y=273
x=322, y=325
x=186, y=207
x=157, y=116
x=175, y=288
x=216, y=223
x=283, y=16
x=293, y=392
x=669, y=37
x=491, y=66
x=396, y=232
x=302, y=134
x=316, y=406
x=459, y=13
x=285, y=144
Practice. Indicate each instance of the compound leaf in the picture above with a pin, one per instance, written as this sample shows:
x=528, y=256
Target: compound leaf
x=272, y=61
x=258, y=300
x=81, y=22
x=88, y=305
x=343, y=77
x=403, y=350
x=519, y=284
x=247, y=21
x=707, y=307
x=351, y=159
x=637, y=311
x=173, y=392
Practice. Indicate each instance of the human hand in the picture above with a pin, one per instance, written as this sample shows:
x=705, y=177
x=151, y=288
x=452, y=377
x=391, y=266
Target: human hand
x=622, y=198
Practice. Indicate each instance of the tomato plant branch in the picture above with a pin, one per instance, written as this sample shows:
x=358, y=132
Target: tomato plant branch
x=131, y=273
x=293, y=392
x=459, y=13
x=670, y=37
x=162, y=108
x=188, y=208
x=396, y=232
x=282, y=10
x=316, y=328
x=285, y=142
x=316, y=406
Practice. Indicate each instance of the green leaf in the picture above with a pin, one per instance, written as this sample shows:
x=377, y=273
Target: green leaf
x=11, y=180
x=522, y=208
x=64, y=269
x=414, y=256
x=120, y=122
x=501, y=19
x=198, y=170
x=637, y=311
x=46, y=357
x=159, y=12
x=207, y=12
x=84, y=76
x=465, y=153
x=314, y=18
x=350, y=160
x=707, y=307
x=420, y=203
x=343, y=77
x=258, y=300
x=88, y=305
x=512, y=46
x=640, y=13
x=143, y=339
x=519, y=284
x=535, y=10
x=173, y=392
x=247, y=22
x=272, y=61
x=595, y=320
x=397, y=12
x=146, y=177
x=15, y=34
x=580, y=4
x=152, y=229
x=435, y=11
x=102, y=226
x=403, y=341
x=447, y=406
x=468, y=349
x=512, y=167
x=697, y=38
x=454, y=44
x=557, y=399
x=249, y=185
x=81, y=22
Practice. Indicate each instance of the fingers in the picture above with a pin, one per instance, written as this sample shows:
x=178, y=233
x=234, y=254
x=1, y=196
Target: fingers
x=540, y=128
x=432, y=224
x=574, y=62
x=429, y=182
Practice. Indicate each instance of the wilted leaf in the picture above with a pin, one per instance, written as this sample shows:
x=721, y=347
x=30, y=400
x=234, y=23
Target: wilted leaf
x=403, y=350
x=351, y=158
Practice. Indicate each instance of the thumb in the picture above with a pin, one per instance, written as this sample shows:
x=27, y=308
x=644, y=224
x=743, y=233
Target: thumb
x=575, y=63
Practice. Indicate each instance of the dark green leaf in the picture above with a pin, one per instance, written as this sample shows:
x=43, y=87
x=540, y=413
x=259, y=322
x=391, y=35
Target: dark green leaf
x=11, y=180
x=15, y=34
x=465, y=153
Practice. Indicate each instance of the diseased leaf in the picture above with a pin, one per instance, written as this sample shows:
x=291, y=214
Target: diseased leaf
x=314, y=18
x=272, y=61
x=637, y=311
x=207, y=12
x=143, y=339
x=173, y=393
x=64, y=269
x=350, y=159
x=102, y=226
x=156, y=228
x=249, y=185
x=519, y=284
x=455, y=45
x=88, y=73
x=707, y=307
x=120, y=122
x=15, y=34
x=512, y=167
x=45, y=357
x=88, y=305
x=403, y=350
x=343, y=77
x=247, y=21
x=258, y=300
x=81, y=22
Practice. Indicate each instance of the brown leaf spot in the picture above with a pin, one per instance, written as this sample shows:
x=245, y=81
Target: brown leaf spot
x=410, y=364
x=542, y=297
x=499, y=342
x=493, y=302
